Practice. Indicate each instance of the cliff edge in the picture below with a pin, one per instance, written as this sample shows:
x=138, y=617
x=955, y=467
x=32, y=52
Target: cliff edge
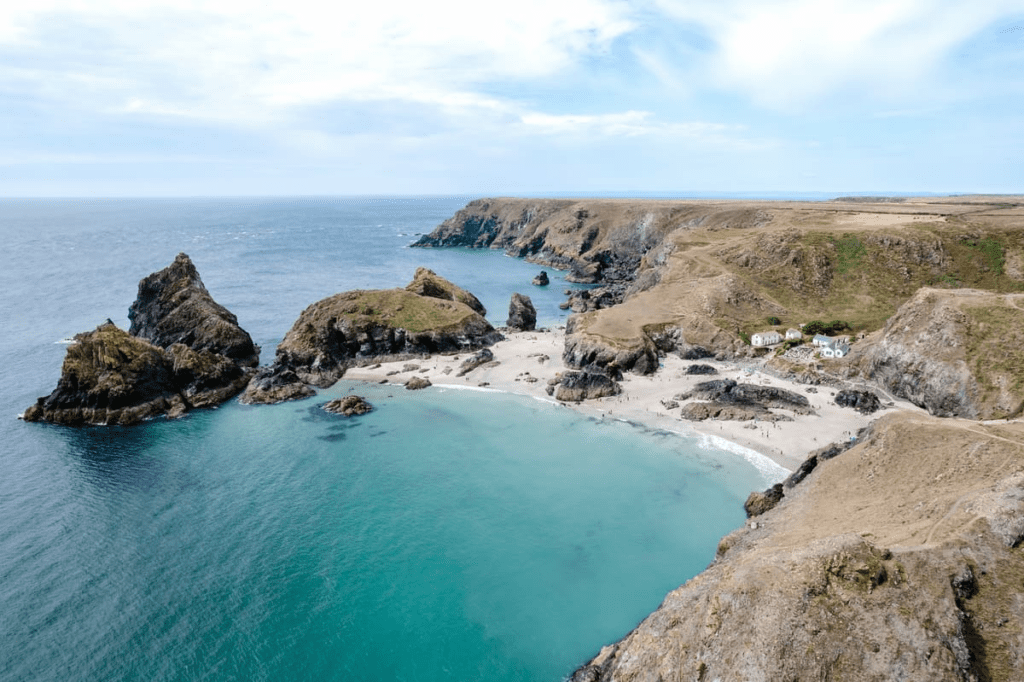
x=898, y=559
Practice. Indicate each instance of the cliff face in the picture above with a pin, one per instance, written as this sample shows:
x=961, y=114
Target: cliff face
x=954, y=352
x=898, y=559
x=184, y=351
x=357, y=327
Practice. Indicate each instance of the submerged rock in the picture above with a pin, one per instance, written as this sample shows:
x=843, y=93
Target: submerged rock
x=522, y=316
x=183, y=351
x=350, y=405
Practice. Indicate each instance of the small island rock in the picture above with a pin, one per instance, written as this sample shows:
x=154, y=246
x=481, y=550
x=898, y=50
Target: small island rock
x=541, y=280
x=183, y=351
x=350, y=405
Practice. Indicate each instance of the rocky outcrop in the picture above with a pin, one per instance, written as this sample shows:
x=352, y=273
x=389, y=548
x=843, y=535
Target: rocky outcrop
x=349, y=406
x=173, y=306
x=428, y=283
x=183, y=351
x=522, y=316
x=541, y=280
x=363, y=327
x=700, y=369
x=862, y=401
x=727, y=391
x=417, y=383
x=899, y=560
x=576, y=386
x=730, y=412
x=481, y=357
x=953, y=352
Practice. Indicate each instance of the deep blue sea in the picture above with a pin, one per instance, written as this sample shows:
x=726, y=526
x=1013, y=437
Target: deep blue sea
x=448, y=535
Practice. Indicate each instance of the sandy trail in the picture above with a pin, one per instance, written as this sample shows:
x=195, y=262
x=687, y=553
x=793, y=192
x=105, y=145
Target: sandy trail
x=527, y=360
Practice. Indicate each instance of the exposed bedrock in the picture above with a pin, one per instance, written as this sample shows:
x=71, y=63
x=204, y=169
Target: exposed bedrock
x=727, y=391
x=522, y=316
x=183, y=351
x=899, y=560
x=173, y=306
x=597, y=240
x=360, y=327
x=954, y=352
x=428, y=283
x=349, y=406
x=576, y=386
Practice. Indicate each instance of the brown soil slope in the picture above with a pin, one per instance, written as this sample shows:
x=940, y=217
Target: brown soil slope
x=899, y=559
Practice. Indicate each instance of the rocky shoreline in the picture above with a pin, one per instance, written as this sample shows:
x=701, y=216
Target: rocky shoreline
x=893, y=551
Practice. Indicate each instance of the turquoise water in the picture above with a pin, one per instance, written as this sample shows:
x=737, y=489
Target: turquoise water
x=448, y=535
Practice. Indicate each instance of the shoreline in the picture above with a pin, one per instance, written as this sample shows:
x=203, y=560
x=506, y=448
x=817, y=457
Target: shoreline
x=525, y=361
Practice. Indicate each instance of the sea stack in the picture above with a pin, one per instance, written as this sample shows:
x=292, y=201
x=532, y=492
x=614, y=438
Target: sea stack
x=183, y=351
x=522, y=316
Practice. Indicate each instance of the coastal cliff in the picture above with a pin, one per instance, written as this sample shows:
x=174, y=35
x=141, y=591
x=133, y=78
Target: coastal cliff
x=955, y=352
x=183, y=351
x=898, y=559
x=431, y=315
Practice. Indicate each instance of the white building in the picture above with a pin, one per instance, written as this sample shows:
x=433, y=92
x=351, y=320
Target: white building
x=821, y=340
x=793, y=334
x=835, y=350
x=768, y=338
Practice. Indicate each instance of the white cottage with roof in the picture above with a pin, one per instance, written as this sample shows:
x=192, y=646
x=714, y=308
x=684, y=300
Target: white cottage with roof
x=768, y=338
x=793, y=335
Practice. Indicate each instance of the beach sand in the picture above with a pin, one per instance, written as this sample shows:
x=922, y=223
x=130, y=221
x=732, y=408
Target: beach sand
x=524, y=356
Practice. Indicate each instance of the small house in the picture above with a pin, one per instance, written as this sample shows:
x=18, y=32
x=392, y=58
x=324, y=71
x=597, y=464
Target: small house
x=768, y=338
x=821, y=340
x=835, y=350
x=793, y=335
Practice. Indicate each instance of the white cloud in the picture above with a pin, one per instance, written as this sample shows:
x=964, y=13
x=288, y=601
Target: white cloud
x=789, y=53
x=246, y=60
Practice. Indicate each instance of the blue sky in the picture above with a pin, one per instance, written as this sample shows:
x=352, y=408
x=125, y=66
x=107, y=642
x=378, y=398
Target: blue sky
x=140, y=98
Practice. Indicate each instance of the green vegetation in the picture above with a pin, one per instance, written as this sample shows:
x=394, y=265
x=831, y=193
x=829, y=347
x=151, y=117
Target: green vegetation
x=774, y=321
x=826, y=328
x=850, y=252
x=995, y=349
x=403, y=309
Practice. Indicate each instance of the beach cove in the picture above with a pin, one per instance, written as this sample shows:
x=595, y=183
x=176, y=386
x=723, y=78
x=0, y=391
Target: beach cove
x=512, y=537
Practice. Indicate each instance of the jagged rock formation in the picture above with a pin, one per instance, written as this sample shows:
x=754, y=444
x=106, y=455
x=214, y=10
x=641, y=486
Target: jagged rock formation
x=862, y=401
x=349, y=406
x=173, y=306
x=952, y=352
x=363, y=327
x=522, y=316
x=541, y=280
x=701, y=369
x=183, y=351
x=898, y=560
x=428, y=283
x=576, y=386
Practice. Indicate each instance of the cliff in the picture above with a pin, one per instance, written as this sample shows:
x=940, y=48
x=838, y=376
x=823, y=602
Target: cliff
x=898, y=559
x=183, y=351
x=358, y=327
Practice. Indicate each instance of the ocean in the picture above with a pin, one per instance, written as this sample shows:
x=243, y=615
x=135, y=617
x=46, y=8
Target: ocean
x=448, y=535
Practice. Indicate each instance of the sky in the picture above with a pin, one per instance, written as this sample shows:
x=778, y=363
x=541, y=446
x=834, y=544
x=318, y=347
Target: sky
x=452, y=97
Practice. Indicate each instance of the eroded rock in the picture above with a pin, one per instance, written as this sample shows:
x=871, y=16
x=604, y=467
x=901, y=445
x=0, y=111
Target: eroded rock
x=522, y=316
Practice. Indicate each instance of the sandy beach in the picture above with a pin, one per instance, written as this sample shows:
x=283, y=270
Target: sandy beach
x=525, y=361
